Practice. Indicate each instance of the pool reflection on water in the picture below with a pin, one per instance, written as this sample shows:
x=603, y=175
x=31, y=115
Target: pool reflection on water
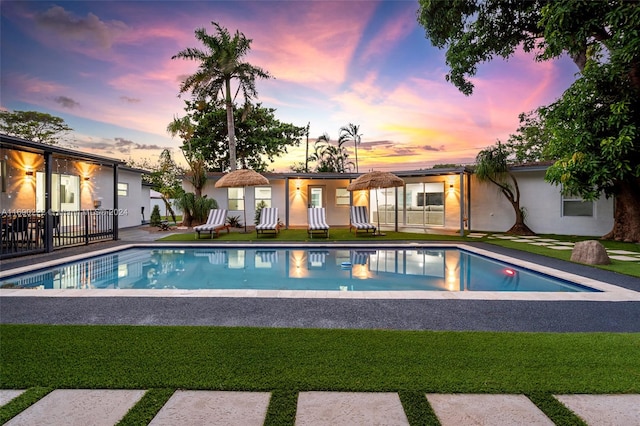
x=433, y=269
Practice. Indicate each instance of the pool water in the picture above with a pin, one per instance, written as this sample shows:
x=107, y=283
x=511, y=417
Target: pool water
x=433, y=269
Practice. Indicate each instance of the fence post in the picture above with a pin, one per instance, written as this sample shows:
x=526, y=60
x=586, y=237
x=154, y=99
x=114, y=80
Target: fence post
x=86, y=227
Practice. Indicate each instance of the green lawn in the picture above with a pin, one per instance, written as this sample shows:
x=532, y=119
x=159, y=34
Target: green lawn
x=287, y=361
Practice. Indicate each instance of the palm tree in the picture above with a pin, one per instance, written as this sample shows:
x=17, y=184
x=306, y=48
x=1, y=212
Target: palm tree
x=350, y=133
x=329, y=157
x=221, y=62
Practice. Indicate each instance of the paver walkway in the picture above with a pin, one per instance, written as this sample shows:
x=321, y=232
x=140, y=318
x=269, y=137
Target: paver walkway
x=72, y=407
x=550, y=243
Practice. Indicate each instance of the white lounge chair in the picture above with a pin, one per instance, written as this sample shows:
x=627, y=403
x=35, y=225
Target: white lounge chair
x=317, y=221
x=360, y=220
x=216, y=222
x=268, y=221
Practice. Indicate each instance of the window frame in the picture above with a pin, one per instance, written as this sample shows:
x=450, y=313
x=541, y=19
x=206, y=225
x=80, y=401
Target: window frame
x=343, y=200
x=257, y=200
x=123, y=189
x=572, y=198
x=239, y=201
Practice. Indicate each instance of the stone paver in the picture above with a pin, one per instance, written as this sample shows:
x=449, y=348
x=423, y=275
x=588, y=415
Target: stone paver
x=8, y=394
x=495, y=410
x=623, y=252
x=604, y=410
x=79, y=407
x=560, y=247
x=213, y=408
x=107, y=407
x=625, y=258
x=349, y=409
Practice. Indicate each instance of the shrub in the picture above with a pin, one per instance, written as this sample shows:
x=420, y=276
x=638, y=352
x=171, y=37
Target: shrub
x=234, y=221
x=261, y=205
x=155, y=216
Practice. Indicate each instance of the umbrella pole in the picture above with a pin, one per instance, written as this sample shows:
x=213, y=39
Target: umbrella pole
x=378, y=213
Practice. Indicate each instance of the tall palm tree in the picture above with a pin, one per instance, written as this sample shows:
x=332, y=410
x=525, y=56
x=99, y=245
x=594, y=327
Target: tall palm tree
x=221, y=62
x=350, y=133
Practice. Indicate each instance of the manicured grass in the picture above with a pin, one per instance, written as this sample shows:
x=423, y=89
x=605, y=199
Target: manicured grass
x=619, y=266
x=297, y=235
x=266, y=359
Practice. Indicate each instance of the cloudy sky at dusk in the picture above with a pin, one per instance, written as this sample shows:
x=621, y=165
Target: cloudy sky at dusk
x=106, y=68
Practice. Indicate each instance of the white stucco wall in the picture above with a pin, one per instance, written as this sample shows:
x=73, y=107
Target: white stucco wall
x=490, y=210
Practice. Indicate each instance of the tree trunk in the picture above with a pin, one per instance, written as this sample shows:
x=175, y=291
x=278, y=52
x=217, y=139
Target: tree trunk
x=626, y=216
x=519, y=227
x=231, y=128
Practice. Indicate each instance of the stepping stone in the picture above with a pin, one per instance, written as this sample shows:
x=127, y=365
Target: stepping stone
x=564, y=243
x=495, y=410
x=505, y=237
x=539, y=244
x=350, y=409
x=521, y=240
x=213, y=408
x=604, y=410
x=7, y=395
x=623, y=252
x=560, y=247
x=625, y=258
x=474, y=235
x=547, y=240
x=96, y=407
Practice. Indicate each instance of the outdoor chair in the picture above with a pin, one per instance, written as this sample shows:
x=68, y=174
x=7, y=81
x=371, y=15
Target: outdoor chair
x=361, y=257
x=317, y=221
x=360, y=220
x=267, y=256
x=216, y=222
x=268, y=221
x=317, y=259
x=216, y=257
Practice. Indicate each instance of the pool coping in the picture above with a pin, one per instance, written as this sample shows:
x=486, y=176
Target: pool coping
x=607, y=292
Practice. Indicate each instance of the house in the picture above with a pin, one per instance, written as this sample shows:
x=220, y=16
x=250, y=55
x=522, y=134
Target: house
x=432, y=200
x=87, y=197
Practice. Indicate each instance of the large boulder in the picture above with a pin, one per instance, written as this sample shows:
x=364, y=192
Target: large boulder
x=590, y=252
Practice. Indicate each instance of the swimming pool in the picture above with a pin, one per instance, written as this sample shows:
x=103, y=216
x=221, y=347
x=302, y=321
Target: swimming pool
x=339, y=269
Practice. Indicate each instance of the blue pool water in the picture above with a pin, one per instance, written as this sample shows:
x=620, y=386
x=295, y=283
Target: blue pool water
x=430, y=269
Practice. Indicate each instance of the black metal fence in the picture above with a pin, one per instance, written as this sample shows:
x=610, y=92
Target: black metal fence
x=24, y=233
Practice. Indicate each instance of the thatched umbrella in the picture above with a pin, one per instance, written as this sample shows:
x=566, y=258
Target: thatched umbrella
x=375, y=180
x=242, y=178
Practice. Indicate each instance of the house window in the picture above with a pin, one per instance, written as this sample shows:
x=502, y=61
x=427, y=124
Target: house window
x=236, y=198
x=574, y=205
x=65, y=192
x=123, y=189
x=342, y=197
x=263, y=193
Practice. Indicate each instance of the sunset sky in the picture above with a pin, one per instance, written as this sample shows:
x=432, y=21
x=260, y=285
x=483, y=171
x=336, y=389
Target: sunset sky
x=105, y=67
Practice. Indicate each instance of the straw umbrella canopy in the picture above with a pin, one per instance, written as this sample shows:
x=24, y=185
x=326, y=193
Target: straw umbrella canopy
x=242, y=178
x=375, y=180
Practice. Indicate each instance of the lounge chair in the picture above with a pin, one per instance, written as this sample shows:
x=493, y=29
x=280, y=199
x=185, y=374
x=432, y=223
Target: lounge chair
x=216, y=222
x=360, y=220
x=317, y=259
x=317, y=221
x=268, y=221
x=361, y=257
